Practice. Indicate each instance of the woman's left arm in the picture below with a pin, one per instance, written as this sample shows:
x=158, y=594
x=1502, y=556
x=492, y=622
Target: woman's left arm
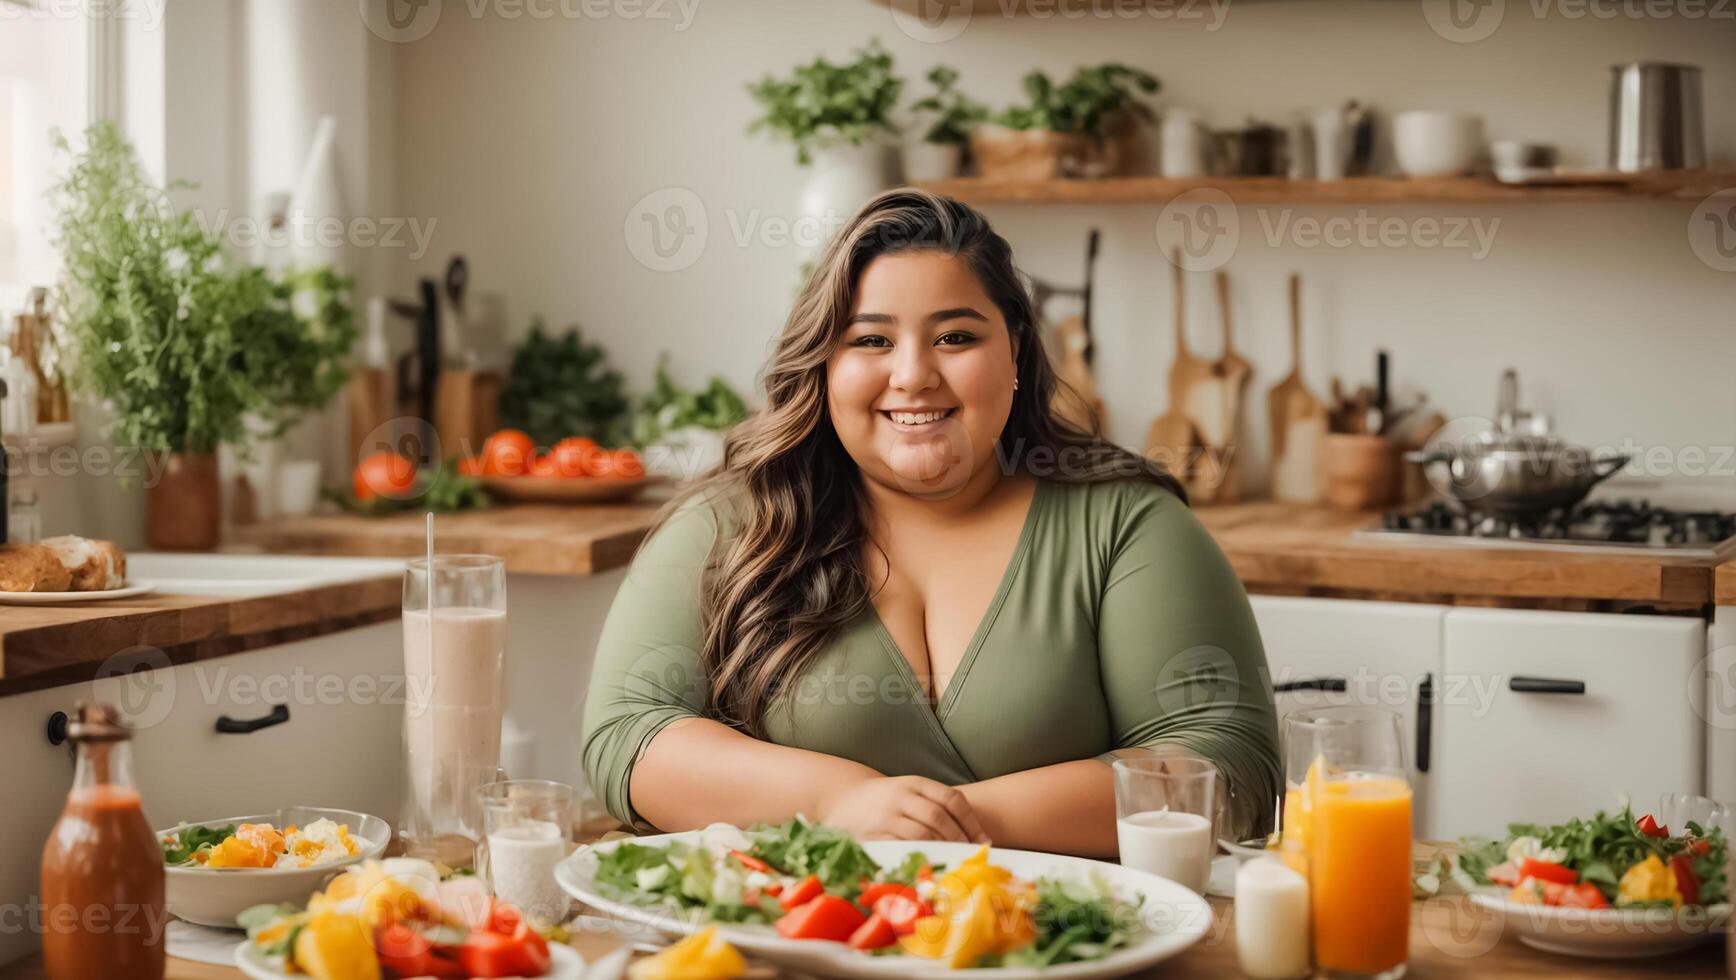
x=1183, y=673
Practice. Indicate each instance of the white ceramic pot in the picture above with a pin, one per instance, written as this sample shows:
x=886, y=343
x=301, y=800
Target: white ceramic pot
x=931, y=161
x=1184, y=140
x=1437, y=144
x=841, y=179
x=685, y=454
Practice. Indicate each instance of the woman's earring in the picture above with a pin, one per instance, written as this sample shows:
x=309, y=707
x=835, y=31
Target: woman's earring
x=1015, y=384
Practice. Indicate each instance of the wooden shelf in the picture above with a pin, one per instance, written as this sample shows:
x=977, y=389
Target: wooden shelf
x=1355, y=190
x=1070, y=9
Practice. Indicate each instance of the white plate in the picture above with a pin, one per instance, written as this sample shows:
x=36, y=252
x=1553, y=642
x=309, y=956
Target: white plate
x=55, y=598
x=1605, y=933
x=1176, y=917
x=565, y=964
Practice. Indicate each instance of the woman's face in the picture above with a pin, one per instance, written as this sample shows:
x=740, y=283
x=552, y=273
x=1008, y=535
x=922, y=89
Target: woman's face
x=920, y=383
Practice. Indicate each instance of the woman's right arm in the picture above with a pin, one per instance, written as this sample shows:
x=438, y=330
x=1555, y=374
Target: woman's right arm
x=654, y=759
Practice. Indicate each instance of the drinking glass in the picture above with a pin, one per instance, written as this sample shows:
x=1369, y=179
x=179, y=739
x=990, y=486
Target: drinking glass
x=527, y=825
x=454, y=657
x=1348, y=800
x=1164, y=812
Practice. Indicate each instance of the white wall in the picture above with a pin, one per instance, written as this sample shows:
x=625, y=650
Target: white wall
x=529, y=140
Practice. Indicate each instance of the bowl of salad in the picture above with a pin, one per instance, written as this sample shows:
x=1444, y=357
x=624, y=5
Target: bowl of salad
x=1614, y=885
x=813, y=899
x=217, y=868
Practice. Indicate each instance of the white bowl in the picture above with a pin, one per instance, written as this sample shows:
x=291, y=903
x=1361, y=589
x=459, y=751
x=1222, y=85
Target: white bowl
x=1437, y=144
x=215, y=896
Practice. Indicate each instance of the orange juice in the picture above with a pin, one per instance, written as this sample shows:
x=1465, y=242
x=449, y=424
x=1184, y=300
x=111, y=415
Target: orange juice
x=1293, y=845
x=1359, y=862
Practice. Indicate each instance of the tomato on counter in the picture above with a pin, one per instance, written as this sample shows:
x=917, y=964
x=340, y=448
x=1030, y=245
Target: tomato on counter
x=507, y=453
x=619, y=462
x=576, y=456
x=384, y=474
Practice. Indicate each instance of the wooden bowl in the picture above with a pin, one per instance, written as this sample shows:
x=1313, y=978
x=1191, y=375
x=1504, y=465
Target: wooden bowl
x=568, y=490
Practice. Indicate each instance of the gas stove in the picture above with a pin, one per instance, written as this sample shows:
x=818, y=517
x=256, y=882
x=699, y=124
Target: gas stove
x=1615, y=526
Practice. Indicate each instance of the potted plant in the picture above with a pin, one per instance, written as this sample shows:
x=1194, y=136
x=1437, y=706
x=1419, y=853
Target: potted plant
x=838, y=116
x=1081, y=128
x=947, y=117
x=183, y=345
x=681, y=430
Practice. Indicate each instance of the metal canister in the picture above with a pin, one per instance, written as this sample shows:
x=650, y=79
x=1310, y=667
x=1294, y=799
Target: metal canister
x=1656, y=117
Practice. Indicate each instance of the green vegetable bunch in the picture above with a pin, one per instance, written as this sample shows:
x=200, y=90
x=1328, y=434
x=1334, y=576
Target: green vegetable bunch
x=800, y=848
x=562, y=386
x=668, y=407
x=682, y=875
x=1076, y=920
x=1084, y=103
x=851, y=101
x=182, y=342
x=955, y=112
x=1603, y=848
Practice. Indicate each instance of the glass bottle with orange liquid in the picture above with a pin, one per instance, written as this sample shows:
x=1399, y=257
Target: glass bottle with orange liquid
x=102, y=869
x=1349, y=804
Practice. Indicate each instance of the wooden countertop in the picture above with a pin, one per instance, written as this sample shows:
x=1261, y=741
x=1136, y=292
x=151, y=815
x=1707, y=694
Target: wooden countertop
x=1275, y=548
x=1295, y=550
x=1724, y=592
x=536, y=539
x=46, y=646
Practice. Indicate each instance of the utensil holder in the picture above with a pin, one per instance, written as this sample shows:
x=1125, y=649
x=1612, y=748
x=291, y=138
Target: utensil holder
x=1361, y=471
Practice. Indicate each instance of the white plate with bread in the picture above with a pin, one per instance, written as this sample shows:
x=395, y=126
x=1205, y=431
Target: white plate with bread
x=67, y=568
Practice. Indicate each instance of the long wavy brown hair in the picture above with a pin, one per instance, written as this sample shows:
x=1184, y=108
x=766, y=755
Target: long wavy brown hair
x=792, y=573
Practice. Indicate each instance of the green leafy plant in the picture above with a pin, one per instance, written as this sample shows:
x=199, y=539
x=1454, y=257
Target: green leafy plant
x=668, y=407
x=562, y=386
x=1084, y=103
x=954, y=113
x=181, y=342
x=851, y=101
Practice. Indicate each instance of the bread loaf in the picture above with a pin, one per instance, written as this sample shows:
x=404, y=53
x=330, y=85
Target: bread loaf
x=32, y=568
x=94, y=565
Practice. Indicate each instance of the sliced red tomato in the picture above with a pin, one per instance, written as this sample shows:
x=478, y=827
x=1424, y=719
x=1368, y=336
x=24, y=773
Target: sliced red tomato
x=1505, y=873
x=1700, y=847
x=403, y=949
x=1553, y=891
x=1584, y=895
x=751, y=863
x=826, y=917
x=901, y=910
x=801, y=893
x=873, y=934
x=504, y=946
x=1547, y=871
x=1650, y=827
x=1687, y=882
x=774, y=889
x=925, y=873
x=872, y=893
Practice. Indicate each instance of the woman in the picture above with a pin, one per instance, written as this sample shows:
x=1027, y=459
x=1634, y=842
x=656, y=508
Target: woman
x=913, y=602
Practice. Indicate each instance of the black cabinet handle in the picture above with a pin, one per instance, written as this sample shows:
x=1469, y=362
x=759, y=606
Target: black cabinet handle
x=1544, y=685
x=1425, y=720
x=232, y=726
x=1335, y=684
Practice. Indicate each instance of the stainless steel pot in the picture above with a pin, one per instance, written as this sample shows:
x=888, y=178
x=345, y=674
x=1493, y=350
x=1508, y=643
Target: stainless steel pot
x=1655, y=118
x=1518, y=475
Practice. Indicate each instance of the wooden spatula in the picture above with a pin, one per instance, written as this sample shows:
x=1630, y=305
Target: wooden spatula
x=1294, y=411
x=1172, y=439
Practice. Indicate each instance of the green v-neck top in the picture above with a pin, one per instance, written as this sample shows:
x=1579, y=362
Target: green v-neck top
x=1118, y=623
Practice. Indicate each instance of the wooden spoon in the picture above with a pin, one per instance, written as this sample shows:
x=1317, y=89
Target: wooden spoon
x=1173, y=439
x=1293, y=409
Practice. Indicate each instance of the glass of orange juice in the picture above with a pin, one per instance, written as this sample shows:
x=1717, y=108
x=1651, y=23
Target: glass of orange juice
x=1349, y=803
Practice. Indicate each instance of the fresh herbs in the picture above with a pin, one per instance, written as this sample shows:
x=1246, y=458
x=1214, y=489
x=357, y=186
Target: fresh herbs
x=668, y=407
x=851, y=102
x=1084, y=103
x=681, y=875
x=1077, y=920
x=953, y=112
x=181, y=342
x=180, y=848
x=562, y=386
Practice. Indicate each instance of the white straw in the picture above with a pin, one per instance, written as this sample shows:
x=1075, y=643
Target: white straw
x=431, y=660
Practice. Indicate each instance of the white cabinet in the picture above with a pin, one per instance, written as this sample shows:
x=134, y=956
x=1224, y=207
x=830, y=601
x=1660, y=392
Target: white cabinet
x=341, y=745
x=1544, y=716
x=1718, y=705
x=1347, y=651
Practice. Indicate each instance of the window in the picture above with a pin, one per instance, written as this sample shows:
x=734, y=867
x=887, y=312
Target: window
x=44, y=84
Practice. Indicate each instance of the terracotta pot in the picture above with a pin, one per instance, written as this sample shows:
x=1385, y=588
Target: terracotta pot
x=184, y=509
x=1361, y=471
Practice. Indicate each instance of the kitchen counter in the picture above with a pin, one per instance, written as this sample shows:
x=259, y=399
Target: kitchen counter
x=1724, y=590
x=535, y=539
x=1291, y=550
x=47, y=646
x=1281, y=549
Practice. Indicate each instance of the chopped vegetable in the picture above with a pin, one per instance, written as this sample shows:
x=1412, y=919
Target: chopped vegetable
x=826, y=917
x=1547, y=871
x=1686, y=881
x=805, y=891
x=876, y=933
x=1650, y=828
x=1648, y=882
x=701, y=956
x=182, y=848
x=800, y=848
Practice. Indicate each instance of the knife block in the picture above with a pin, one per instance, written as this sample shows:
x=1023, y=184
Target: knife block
x=466, y=410
x=368, y=399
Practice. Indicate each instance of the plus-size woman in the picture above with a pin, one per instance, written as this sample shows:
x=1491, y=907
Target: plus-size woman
x=913, y=602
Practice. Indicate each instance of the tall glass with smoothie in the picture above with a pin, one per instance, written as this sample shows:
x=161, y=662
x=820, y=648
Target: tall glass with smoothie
x=1350, y=802
x=102, y=871
x=454, y=658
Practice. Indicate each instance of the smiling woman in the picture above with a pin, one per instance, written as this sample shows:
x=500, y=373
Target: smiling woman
x=914, y=602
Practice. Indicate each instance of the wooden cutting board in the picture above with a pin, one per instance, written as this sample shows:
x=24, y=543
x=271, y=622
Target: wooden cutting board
x=1173, y=439
x=1215, y=405
x=1298, y=421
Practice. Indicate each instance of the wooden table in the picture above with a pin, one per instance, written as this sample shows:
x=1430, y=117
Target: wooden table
x=1449, y=938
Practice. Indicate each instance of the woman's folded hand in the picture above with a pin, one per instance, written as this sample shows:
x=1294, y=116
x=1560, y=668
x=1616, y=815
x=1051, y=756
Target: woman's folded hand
x=902, y=808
